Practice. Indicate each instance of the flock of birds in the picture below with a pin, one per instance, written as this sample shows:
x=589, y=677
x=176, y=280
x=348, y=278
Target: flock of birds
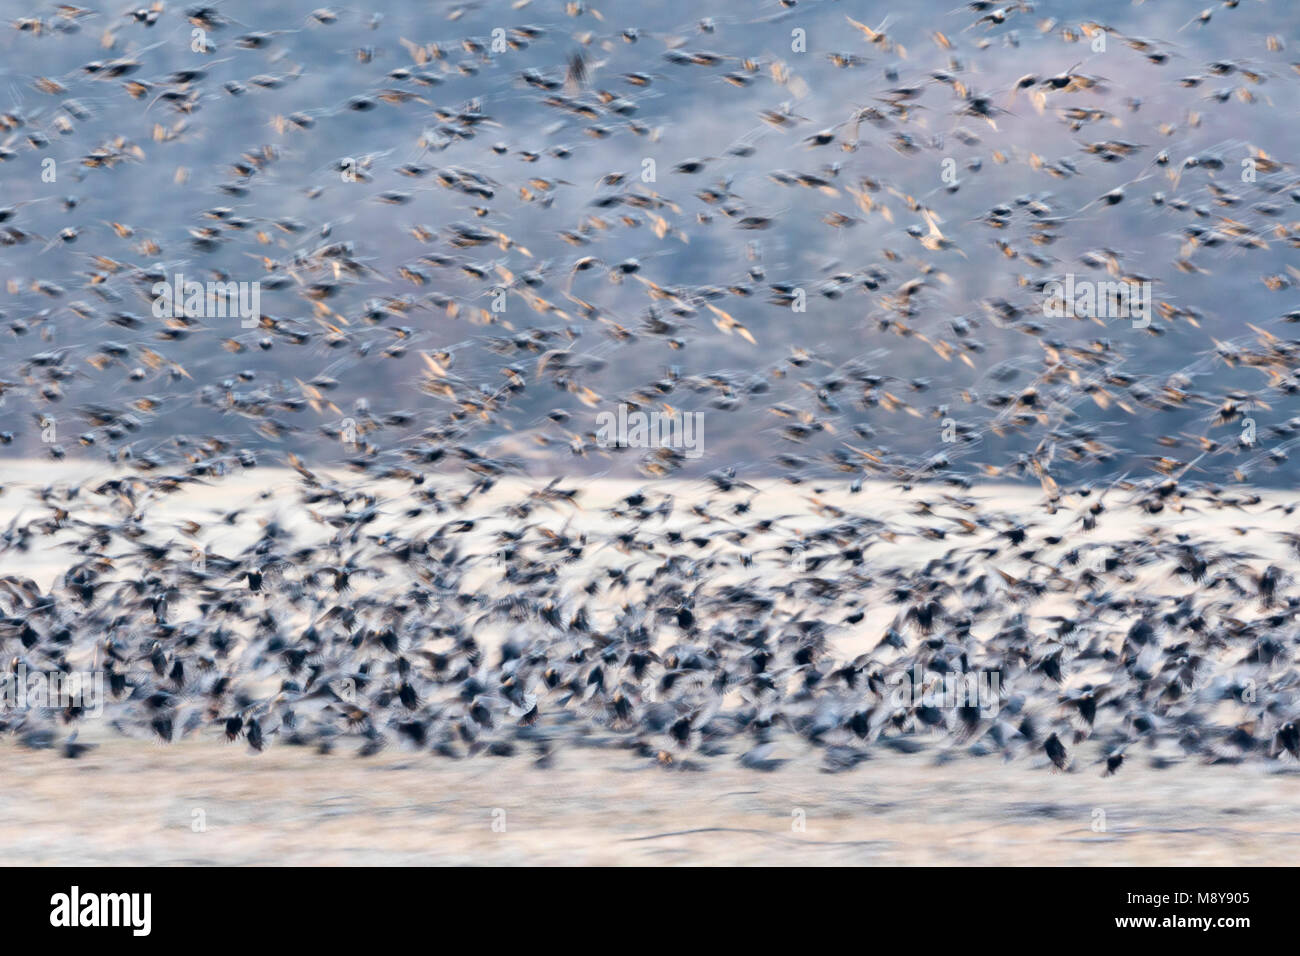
x=830, y=233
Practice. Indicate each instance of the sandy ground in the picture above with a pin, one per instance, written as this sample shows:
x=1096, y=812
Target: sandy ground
x=200, y=801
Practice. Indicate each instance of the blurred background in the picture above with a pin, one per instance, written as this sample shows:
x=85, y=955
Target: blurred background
x=178, y=163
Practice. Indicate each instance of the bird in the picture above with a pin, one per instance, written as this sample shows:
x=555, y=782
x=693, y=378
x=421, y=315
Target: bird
x=647, y=389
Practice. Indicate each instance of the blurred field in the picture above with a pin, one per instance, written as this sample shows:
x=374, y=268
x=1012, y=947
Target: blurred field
x=133, y=803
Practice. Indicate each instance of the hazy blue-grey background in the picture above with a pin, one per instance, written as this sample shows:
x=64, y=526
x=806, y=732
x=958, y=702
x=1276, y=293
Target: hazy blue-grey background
x=687, y=112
